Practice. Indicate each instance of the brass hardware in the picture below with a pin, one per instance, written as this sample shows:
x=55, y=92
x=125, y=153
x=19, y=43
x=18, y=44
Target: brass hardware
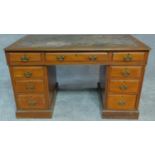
x=24, y=58
x=128, y=57
x=125, y=72
x=28, y=74
x=92, y=58
x=30, y=87
x=123, y=87
x=32, y=102
x=121, y=103
x=60, y=58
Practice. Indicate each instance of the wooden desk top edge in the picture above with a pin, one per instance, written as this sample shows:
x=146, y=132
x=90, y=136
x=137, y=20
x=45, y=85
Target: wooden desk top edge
x=15, y=47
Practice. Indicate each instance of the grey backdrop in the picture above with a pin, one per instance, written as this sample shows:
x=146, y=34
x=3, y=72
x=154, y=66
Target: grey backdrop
x=80, y=103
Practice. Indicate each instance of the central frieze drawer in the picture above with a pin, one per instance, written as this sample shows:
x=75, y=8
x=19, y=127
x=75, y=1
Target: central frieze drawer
x=76, y=57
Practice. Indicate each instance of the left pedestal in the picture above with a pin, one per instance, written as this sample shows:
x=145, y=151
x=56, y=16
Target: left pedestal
x=34, y=90
x=33, y=83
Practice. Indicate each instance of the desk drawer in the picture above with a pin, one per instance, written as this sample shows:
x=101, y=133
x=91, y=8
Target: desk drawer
x=28, y=72
x=30, y=86
x=25, y=58
x=124, y=86
x=129, y=57
x=121, y=102
x=125, y=71
x=31, y=102
x=76, y=57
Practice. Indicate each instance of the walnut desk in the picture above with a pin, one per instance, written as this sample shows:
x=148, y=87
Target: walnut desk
x=32, y=61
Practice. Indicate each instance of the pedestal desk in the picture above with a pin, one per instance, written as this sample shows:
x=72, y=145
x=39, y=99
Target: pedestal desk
x=32, y=63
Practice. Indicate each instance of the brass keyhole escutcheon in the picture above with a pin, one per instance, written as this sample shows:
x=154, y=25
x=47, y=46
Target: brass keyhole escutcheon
x=128, y=57
x=60, y=58
x=24, y=58
x=93, y=58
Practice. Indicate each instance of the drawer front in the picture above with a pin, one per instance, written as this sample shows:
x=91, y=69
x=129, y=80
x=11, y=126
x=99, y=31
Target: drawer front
x=125, y=71
x=30, y=86
x=123, y=86
x=25, y=58
x=31, y=102
x=129, y=57
x=28, y=72
x=121, y=102
x=76, y=57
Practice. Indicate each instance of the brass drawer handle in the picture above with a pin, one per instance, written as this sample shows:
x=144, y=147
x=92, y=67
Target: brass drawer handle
x=125, y=72
x=123, y=87
x=60, y=58
x=128, y=57
x=32, y=102
x=27, y=74
x=30, y=87
x=24, y=58
x=92, y=58
x=121, y=103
